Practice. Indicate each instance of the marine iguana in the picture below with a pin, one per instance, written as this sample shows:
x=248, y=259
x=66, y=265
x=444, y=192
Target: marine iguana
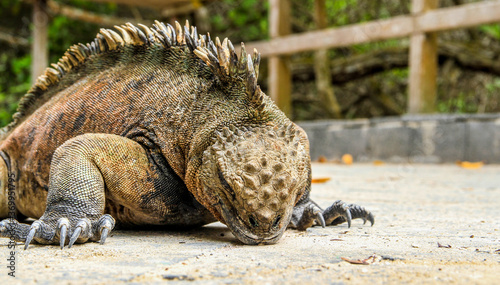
x=155, y=126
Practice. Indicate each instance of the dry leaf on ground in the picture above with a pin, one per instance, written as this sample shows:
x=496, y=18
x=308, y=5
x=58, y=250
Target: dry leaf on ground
x=470, y=165
x=322, y=159
x=347, y=159
x=320, y=180
x=444, y=245
x=366, y=261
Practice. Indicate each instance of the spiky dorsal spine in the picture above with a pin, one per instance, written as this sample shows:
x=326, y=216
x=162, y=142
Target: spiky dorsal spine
x=224, y=62
x=220, y=57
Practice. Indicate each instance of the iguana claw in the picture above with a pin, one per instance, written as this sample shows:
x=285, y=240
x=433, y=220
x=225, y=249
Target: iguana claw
x=82, y=230
x=62, y=236
x=75, y=236
x=370, y=218
x=106, y=223
x=320, y=219
x=349, y=218
x=366, y=216
x=33, y=229
x=62, y=225
x=104, y=235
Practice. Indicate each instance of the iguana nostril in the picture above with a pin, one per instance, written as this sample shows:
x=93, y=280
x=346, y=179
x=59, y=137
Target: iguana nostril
x=253, y=222
x=277, y=221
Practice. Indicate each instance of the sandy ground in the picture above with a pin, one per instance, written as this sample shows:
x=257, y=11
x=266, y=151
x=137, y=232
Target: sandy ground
x=434, y=224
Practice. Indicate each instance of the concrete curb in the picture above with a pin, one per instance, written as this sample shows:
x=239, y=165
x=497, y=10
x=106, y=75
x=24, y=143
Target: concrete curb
x=417, y=138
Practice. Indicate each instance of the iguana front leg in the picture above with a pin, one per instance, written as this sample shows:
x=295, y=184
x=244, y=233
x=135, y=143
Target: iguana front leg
x=85, y=172
x=307, y=214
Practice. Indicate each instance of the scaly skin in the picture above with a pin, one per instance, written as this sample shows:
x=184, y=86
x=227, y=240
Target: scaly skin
x=156, y=127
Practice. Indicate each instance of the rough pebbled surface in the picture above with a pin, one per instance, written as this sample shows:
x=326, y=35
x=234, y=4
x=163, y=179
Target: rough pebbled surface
x=156, y=127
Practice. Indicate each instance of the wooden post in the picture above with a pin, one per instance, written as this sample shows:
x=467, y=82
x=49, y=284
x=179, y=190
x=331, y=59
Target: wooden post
x=423, y=64
x=202, y=19
x=40, y=53
x=322, y=66
x=280, y=79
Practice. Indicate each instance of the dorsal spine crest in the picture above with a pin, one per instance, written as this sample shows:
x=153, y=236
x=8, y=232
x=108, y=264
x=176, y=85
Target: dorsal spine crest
x=221, y=58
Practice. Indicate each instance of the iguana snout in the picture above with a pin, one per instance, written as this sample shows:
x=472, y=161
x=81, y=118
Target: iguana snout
x=256, y=176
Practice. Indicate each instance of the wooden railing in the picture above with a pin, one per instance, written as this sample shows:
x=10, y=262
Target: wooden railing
x=420, y=26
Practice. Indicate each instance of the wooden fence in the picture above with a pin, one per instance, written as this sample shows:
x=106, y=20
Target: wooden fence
x=421, y=25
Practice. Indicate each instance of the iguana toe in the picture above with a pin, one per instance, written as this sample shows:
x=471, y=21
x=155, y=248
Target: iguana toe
x=33, y=229
x=341, y=212
x=370, y=218
x=106, y=224
x=63, y=225
x=360, y=212
x=14, y=230
x=320, y=219
x=104, y=235
x=6, y=226
x=310, y=216
x=339, y=209
x=41, y=232
x=81, y=233
x=75, y=236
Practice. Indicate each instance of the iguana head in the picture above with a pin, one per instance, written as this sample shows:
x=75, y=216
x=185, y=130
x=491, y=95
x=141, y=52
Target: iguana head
x=254, y=177
x=257, y=167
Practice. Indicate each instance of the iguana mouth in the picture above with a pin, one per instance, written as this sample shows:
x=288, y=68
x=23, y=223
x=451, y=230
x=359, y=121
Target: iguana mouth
x=245, y=235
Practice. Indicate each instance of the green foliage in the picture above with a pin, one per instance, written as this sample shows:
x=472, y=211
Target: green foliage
x=367, y=47
x=339, y=11
x=492, y=98
x=494, y=87
x=11, y=91
x=15, y=61
x=64, y=32
x=244, y=18
x=491, y=30
x=459, y=104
